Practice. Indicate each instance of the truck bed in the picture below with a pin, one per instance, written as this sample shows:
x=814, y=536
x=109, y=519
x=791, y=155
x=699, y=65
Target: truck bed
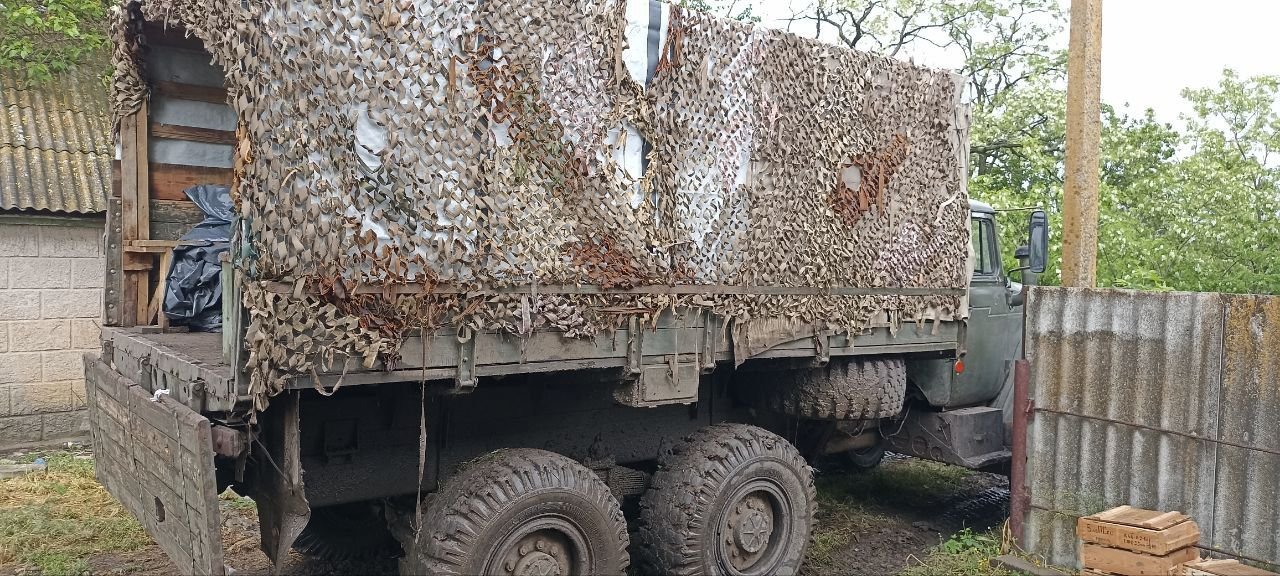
x=663, y=359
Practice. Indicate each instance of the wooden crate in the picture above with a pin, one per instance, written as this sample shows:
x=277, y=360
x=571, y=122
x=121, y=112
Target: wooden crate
x=1138, y=530
x=1223, y=568
x=1127, y=563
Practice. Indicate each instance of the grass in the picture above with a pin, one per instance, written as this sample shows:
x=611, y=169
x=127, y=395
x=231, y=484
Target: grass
x=56, y=519
x=966, y=553
x=849, y=502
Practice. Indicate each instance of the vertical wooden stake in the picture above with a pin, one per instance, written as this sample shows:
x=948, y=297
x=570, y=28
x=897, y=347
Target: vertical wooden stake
x=1084, y=128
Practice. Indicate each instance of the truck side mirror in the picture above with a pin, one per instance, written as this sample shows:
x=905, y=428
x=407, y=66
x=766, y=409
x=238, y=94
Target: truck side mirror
x=1038, y=241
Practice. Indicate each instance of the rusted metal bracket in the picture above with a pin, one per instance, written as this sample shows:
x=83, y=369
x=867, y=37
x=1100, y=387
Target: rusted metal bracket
x=109, y=352
x=146, y=373
x=229, y=442
x=707, y=357
x=465, y=380
x=821, y=348
x=635, y=342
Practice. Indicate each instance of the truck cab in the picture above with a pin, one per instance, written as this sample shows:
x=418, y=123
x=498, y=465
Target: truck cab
x=959, y=410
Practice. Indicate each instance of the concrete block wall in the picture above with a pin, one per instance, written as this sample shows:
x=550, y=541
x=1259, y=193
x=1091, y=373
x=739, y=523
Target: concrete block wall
x=51, y=277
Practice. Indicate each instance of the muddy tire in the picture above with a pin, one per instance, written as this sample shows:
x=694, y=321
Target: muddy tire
x=347, y=533
x=522, y=512
x=866, y=459
x=729, y=499
x=856, y=389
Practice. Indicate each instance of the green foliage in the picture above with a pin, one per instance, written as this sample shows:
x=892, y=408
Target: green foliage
x=45, y=37
x=965, y=552
x=1192, y=207
x=745, y=13
x=965, y=540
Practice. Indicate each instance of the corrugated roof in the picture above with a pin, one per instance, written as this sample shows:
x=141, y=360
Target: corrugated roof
x=55, y=143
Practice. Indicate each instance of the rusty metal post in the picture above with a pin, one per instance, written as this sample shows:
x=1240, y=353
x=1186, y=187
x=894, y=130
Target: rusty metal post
x=1019, y=500
x=1084, y=128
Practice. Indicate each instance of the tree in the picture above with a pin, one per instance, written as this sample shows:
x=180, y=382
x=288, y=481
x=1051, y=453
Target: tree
x=743, y=13
x=44, y=37
x=1224, y=216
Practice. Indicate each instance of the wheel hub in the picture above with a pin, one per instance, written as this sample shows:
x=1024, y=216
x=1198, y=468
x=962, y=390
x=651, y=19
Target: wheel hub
x=537, y=554
x=750, y=525
x=537, y=564
x=753, y=531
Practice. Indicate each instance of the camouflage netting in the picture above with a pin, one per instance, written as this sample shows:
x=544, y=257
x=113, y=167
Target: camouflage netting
x=482, y=146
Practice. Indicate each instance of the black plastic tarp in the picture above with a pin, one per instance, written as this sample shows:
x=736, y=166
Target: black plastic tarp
x=193, y=293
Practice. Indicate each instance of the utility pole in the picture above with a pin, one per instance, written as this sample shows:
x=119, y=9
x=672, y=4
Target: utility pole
x=1084, y=132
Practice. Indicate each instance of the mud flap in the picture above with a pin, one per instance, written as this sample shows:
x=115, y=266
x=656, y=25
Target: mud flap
x=282, y=504
x=156, y=456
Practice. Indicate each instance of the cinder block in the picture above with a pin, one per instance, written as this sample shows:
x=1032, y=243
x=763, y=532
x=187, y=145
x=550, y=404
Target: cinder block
x=72, y=303
x=39, y=335
x=70, y=241
x=42, y=398
x=65, y=425
x=19, y=304
x=5, y=409
x=20, y=430
x=86, y=334
x=4, y=337
x=20, y=368
x=4, y=272
x=39, y=273
x=19, y=240
x=88, y=272
x=68, y=365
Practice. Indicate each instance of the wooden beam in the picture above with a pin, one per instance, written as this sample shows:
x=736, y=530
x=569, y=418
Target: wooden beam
x=129, y=198
x=193, y=134
x=142, y=153
x=1084, y=128
x=169, y=180
x=129, y=177
x=196, y=92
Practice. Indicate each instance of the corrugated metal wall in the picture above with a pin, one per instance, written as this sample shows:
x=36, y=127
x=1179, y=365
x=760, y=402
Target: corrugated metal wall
x=1168, y=401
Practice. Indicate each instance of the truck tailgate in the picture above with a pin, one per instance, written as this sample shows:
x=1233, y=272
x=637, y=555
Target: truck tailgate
x=156, y=457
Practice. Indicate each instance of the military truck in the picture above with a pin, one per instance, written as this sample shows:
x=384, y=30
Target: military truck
x=536, y=288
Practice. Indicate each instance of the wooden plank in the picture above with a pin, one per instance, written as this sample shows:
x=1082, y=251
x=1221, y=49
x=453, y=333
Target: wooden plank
x=196, y=92
x=166, y=259
x=1150, y=519
x=181, y=211
x=1223, y=568
x=129, y=176
x=1137, y=538
x=193, y=134
x=129, y=199
x=1129, y=563
x=169, y=180
x=142, y=152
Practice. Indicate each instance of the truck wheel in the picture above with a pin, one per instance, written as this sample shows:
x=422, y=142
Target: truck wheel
x=523, y=512
x=861, y=389
x=866, y=459
x=347, y=533
x=730, y=499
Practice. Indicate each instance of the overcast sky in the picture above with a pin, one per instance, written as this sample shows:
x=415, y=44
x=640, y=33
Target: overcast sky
x=1152, y=49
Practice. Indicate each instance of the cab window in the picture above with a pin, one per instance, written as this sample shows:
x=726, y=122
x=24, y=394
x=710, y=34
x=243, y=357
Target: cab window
x=982, y=235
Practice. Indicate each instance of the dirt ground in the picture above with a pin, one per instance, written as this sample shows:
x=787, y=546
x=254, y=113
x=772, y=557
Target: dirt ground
x=894, y=519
